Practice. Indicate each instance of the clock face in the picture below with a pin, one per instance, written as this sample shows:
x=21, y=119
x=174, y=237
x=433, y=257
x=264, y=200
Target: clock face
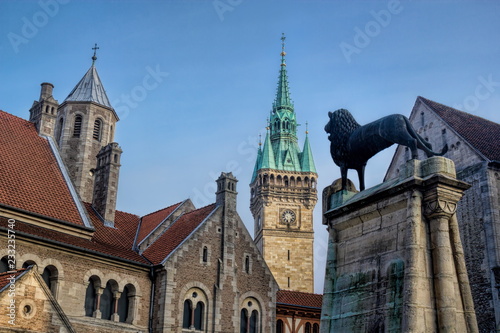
x=288, y=216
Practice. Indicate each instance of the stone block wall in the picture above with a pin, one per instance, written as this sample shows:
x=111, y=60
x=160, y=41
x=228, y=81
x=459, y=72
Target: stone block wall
x=395, y=259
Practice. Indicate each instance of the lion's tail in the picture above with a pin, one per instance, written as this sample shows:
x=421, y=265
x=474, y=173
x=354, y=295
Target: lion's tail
x=422, y=144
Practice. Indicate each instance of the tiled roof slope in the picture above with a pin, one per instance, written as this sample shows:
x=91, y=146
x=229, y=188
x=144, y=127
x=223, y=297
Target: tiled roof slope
x=151, y=221
x=298, y=298
x=176, y=233
x=482, y=134
x=30, y=178
x=116, y=242
x=5, y=277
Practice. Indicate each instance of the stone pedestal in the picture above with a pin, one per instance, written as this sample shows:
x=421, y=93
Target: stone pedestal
x=395, y=261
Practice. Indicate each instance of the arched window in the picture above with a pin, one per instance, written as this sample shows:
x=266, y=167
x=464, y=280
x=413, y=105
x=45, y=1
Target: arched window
x=254, y=322
x=28, y=263
x=50, y=275
x=123, y=305
x=97, y=129
x=4, y=265
x=247, y=264
x=91, y=296
x=244, y=321
x=186, y=317
x=198, y=316
x=59, y=130
x=308, y=328
x=249, y=316
x=205, y=254
x=107, y=300
x=77, y=127
x=315, y=328
x=194, y=310
x=279, y=326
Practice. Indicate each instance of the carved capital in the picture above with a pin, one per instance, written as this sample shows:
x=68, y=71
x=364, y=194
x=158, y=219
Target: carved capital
x=440, y=200
x=440, y=208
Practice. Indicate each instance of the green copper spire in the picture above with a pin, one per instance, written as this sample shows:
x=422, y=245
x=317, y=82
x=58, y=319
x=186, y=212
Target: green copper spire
x=283, y=100
x=307, y=161
x=268, y=161
x=280, y=150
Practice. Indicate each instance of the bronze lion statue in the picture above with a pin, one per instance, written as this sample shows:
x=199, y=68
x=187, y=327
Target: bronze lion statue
x=352, y=145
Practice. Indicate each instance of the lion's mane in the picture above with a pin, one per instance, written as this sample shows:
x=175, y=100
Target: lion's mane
x=340, y=127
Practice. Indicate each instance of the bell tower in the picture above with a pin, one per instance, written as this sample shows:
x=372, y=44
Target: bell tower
x=283, y=195
x=85, y=124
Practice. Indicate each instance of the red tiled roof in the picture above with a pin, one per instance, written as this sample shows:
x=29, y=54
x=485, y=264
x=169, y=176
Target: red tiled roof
x=115, y=241
x=298, y=298
x=30, y=178
x=151, y=221
x=176, y=233
x=482, y=134
x=5, y=277
x=118, y=240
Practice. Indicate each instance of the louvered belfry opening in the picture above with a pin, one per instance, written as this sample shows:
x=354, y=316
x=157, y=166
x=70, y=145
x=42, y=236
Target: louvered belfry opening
x=97, y=130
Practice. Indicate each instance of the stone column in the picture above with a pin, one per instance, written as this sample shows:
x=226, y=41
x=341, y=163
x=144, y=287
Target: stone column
x=98, y=293
x=115, y=316
x=440, y=204
x=414, y=263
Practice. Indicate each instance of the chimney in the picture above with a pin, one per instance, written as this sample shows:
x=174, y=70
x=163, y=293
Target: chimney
x=106, y=176
x=43, y=112
x=226, y=190
x=46, y=90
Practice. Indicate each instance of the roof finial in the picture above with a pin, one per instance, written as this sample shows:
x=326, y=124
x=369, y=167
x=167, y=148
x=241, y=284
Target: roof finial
x=94, y=58
x=260, y=140
x=283, y=53
x=307, y=128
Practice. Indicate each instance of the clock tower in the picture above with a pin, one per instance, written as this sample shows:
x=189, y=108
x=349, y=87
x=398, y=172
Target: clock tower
x=283, y=195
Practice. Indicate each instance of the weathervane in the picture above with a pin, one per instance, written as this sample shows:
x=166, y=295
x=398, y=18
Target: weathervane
x=283, y=53
x=94, y=58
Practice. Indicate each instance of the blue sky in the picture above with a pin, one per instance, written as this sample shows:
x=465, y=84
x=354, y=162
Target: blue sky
x=193, y=81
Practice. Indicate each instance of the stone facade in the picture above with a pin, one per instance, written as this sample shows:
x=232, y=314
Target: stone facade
x=395, y=260
x=70, y=273
x=468, y=138
x=80, y=139
x=286, y=246
x=226, y=274
x=29, y=305
x=179, y=269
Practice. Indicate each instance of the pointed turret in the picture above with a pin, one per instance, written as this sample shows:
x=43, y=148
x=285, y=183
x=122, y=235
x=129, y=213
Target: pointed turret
x=307, y=161
x=89, y=89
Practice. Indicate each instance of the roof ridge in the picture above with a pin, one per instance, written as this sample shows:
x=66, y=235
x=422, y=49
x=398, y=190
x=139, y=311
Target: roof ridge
x=17, y=117
x=120, y=211
x=457, y=110
x=159, y=210
x=298, y=292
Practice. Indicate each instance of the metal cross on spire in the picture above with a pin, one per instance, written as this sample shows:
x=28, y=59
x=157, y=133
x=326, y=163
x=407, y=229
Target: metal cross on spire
x=94, y=58
x=283, y=53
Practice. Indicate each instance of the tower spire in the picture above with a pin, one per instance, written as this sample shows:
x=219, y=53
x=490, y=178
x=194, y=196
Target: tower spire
x=94, y=57
x=283, y=100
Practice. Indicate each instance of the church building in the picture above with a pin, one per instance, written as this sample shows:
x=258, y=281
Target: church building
x=76, y=264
